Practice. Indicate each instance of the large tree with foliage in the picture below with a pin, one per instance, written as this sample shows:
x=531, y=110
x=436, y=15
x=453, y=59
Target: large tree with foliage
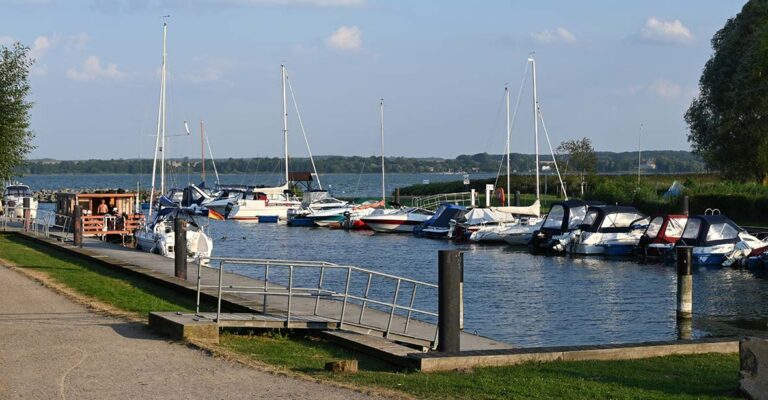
x=728, y=121
x=579, y=156
x=15, y=135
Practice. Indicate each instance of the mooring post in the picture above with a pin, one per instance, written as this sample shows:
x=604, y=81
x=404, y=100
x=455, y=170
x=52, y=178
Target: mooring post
x=27, y=213
x=180, y=247
x=517, y=198
x=488, y=190
x=684, y=282
x=450, y=266
x=685, y=205
x=472, y=195
x=397, y=195
x=77, y=236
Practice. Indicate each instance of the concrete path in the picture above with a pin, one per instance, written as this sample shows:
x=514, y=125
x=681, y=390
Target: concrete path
x=52, y=348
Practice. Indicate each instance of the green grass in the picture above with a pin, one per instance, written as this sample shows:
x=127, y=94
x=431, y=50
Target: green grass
x=708, y=376
x=116, y=288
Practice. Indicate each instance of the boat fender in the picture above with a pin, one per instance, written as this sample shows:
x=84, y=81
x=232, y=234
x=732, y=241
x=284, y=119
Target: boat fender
x=501, y=196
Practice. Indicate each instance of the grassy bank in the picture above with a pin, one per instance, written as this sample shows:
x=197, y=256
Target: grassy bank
x=707, y=376
x=125, y=292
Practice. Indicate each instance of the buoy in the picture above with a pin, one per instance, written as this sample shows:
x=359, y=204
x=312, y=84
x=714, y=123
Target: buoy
x=501, y=196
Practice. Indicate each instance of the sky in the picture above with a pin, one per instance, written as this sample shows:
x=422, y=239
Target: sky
x=618, y=72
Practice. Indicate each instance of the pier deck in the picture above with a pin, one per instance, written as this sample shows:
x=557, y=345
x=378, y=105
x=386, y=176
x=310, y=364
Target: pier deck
x=252, y=310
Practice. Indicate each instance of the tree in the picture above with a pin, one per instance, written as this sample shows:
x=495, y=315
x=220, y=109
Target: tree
x=15, y=136
x=579, y=155
x=727, y=121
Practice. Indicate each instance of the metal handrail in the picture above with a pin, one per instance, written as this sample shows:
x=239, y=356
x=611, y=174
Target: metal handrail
x=431, y=202
x=292, y=291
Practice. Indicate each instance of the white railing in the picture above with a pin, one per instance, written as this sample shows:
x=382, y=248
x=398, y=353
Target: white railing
x=433, y=201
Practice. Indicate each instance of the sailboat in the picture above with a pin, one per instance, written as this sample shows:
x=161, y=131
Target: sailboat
x=520, y=222
x=402, y=220
x=157, y=236
x=255, y=203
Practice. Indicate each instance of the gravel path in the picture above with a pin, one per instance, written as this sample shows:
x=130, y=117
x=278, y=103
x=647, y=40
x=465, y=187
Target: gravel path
x=52, y=348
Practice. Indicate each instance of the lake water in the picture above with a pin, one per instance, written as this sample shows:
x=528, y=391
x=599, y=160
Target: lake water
x=510, y=295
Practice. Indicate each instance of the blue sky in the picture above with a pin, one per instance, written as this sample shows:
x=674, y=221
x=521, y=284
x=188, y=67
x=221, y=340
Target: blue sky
x=604, y=68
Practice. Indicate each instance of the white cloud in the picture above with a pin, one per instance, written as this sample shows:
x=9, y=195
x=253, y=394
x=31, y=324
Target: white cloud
x=40, y=46
x=660, y=31
x=345, y=38
x=558, y=35
x=666, y=89
x=92, y=70
x=77, y=41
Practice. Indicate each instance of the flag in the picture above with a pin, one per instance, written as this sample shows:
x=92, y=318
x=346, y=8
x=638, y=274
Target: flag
x=212, y=214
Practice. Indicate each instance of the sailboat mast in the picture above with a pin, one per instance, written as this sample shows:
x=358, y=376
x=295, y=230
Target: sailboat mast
x=383, y=185
x=202, y=147
x=162, y=107
x=285, y=120
x=159, y=126
x=506, y=96
x=535, y=124
x=639, y=153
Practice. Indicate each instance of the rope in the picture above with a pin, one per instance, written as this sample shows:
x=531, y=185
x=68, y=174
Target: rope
x=303, y=132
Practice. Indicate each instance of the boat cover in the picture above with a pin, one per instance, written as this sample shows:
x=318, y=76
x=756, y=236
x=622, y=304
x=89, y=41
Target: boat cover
x=481, y=216
x=534, y=209
x=710, y=230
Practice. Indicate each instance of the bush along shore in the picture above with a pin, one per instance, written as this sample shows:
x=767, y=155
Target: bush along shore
x=745, y=203
x=706, y=376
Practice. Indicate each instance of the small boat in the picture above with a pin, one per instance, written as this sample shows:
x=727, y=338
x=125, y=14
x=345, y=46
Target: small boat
x=478, y=219
x=661, y=235
x=158, y=236
x=606, y=230
x=13, y=201
x=520, y=234
x=250, y=203
x=402, y=220
x=563, y=217
x=717, y=240
x=439, y=224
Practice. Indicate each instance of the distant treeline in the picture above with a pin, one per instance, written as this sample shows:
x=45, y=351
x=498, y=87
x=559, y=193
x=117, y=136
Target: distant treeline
x=607, y=162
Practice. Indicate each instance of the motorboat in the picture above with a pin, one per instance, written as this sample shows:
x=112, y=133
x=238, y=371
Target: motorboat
x=476, y=219
x=158, y=235
x=661, y=235
x=250, y=203
x=13, y=201
x=563, y=217
x=439, y=224
x=606, y=230
x=402, y=220
x=516, y=230
x=716, y=240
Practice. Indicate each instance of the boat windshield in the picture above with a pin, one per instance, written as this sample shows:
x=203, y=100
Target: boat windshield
x=692, y=229
x=555, y=217
x=620, y=220
x=721, y=231
x=576, y=216
x=675, y=227
x=655, y=226
x=18, y=191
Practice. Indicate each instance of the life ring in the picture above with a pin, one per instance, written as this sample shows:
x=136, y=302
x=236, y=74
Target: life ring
x=501, y=196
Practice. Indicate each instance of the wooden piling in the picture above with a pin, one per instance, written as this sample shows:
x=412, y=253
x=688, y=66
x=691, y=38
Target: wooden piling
x=684, y=282
x=77, y=226
x=180, y=247
x=450, y=266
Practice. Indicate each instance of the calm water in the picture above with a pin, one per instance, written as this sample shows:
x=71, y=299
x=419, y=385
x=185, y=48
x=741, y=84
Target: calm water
x=510, y=295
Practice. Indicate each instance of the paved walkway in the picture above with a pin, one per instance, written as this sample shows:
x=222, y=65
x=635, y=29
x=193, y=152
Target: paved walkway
x=52, y=348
